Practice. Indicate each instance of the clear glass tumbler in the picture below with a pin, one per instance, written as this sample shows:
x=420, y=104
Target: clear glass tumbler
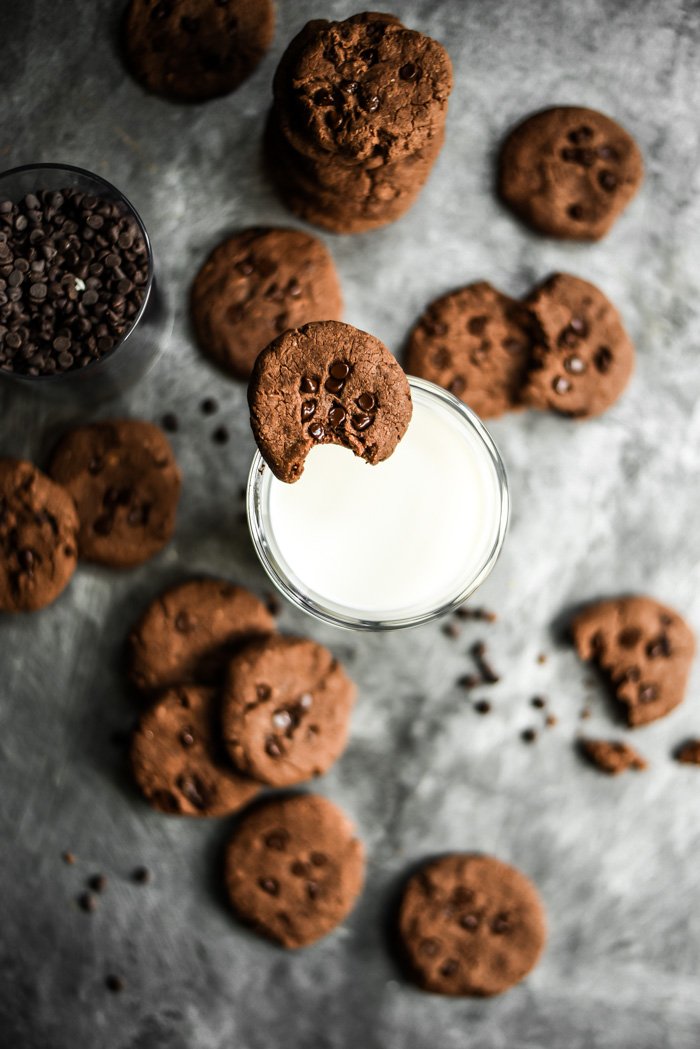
x=137, y=350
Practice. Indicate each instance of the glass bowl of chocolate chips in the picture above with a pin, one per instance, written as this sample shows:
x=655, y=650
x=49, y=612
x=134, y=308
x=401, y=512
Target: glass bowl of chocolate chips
x=80, y=310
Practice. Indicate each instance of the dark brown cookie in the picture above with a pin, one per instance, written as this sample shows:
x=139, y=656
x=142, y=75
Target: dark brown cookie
x=294, y=869
x=583, y=358
x=189, y=633
x=470, y=925
x=285, y=710
x=569, y=172
x=612, y=756
x=192, y=50
x=343, y=198
x=644, y=648
x=326, y=383
x=688, y=753
x=254, y=286
x=366, y=89
x=178, y=760
x=477, y=343
x=126, y=485
x=38, y=537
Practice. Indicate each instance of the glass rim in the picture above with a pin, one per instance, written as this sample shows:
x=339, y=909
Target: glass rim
x=259, y=474
x=67, y=376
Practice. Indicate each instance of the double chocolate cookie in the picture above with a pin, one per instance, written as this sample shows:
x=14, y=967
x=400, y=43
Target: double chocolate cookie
x=192, y=50
x=190, y=632
x=357, y=121
x=583, y=357
x=644, y=648
x=294, y=869
x=612, y=756
x=470, y=925
x=326, y=383
x=125, y=483
x=477, y=343
x=38, y=537
x=254, y=286
x=569, y=172
x=178, y=760
x=285, y=710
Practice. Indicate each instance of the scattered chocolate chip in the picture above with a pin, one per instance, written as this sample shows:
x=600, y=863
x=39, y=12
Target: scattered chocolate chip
x=528, y=735
x=451, y=630
x=141, y=875
x=97, y=882
x=469, y=681
x=87, y=902
x=551, y=720
x=482, y=706
x=488, y=674
x=68, y=857
x=115, y=984
x=209, y=406
x=170, y=422
x=220, y=435
x=541, y=658
x=539, y=702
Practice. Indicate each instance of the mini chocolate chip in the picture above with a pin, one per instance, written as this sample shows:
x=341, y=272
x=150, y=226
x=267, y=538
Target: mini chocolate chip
x=539, y=702
x=580, y=134
x=500, y=924
x=629, y=637
x=561, y=385
x=469, y=681
x=220, y=435
x=362, y=421
x=608, y=180
x=282, y=719
x=323, y=97
x=187, y=737
x=97, y=882
x=316, y=431
x=574, y=365
x=141, y=875
x=648, y=693
x=337, y=415
x=312, y=889
x=660, y=646
x=528, y=735
x=575, y=211
x=469, y=921
x=482, y=706
x=409, y=71
x=449, y=968
x=607, y=153
x=370, y=103
x=272, y=747
x=308, y=385
x=458, y=385
x=209, y=406
x=334, y=120
x=269, y=885
x=87, y=902
x=319, y=859
x=115, y=984
x=170, y=422
x=603, y=359
x=307, y=410
x=366, y=402
x=183, y=623
x=277, y=839
x=429, y=948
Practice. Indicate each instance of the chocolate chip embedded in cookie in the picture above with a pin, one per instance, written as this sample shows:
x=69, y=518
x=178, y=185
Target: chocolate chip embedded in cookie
x=294, y=869
x=645, y=649
x=612, y=756
x=178, y=760
x=254, y=286
x=583, y=357
x=192, y=50
x=38, y=537
x=569, y=172
x=285, y=710
x=190, y=632
x=476, y=342
x=366, y=89
x=126, y=485
x=326, y=383
x=470, y=925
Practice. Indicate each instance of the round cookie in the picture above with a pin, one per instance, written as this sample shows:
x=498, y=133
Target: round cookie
x=569, y=172
x=38, y=537
x=189, y=633
x=326, y=383
x=285, y=710
x=584, y=358
x=178, y=761
x=366, y=89
x=126, y=485
x=254, y=286
x=645, y=649
x=294, y=869
x=470, y=925
x=192, y=50
x=476, y=342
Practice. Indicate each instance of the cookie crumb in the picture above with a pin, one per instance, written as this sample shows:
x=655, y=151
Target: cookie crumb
x=551, y=720
x=611, y=756
x=68, y=857
x=273, y=604
x=488, y=674
x=541, y=658
x=585, y=713
x=451, y=630
x=688, y=753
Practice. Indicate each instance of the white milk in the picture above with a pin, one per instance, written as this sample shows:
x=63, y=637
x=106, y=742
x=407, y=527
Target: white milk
x=400, y=538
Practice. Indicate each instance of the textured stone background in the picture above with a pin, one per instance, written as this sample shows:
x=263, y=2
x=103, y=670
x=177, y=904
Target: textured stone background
x=599, y=507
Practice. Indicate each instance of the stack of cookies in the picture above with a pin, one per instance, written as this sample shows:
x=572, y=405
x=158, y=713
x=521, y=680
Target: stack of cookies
x=357, y=120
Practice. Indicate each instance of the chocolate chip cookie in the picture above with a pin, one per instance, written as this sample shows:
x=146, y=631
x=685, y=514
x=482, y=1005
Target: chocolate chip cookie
x=470, y=925
x=294, y=869
x=254, y=286
x=285, y=710
x=477, y=343
x=192, y=50
x=583, y=357
x=365, y=89
x=190, y=632
x=326, y=383
x=612, y=756
x=38, y=537
x=569, y=172
x=178, y=760
x=126, y=485
x=644, y=648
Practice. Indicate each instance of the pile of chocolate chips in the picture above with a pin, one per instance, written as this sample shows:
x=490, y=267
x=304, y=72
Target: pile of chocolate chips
x=73, y=271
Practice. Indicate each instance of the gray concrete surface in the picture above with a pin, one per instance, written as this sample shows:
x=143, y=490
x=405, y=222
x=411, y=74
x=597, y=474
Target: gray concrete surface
x=602, y=507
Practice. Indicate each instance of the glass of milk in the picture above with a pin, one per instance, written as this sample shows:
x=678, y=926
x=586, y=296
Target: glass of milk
x=392, y=545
